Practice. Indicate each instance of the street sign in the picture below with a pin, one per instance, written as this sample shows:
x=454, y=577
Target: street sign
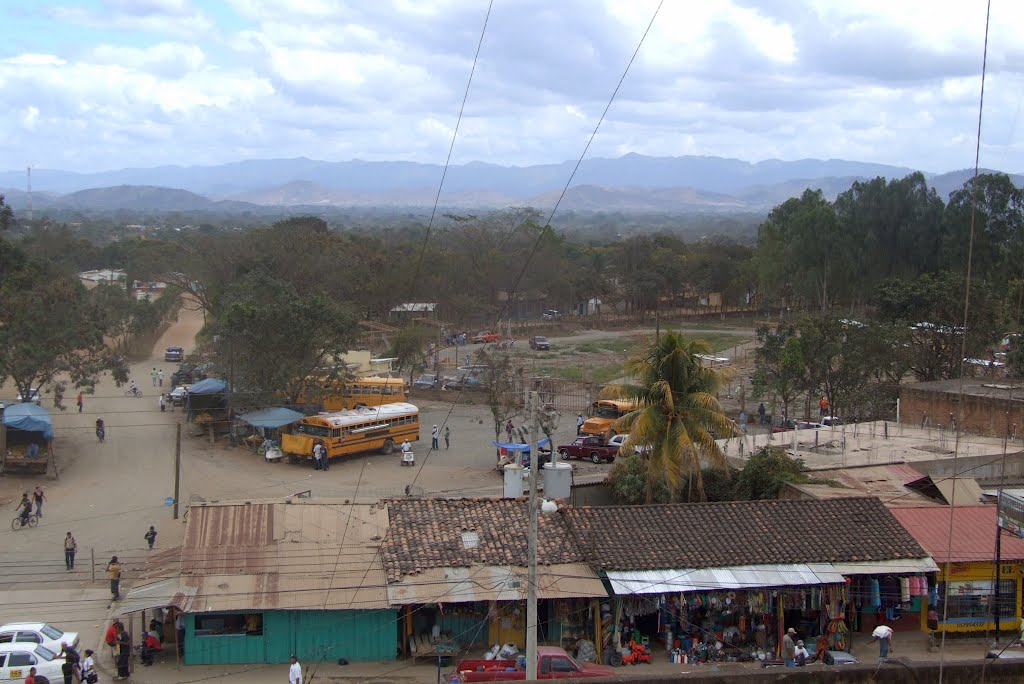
x=1011, y=514
x=169, y=501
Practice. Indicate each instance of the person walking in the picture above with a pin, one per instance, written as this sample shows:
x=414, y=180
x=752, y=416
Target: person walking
x=295, y=671
x=883, y=635
x=579, y=424
x=81, y=401
x=447, y=437
x=509, y=427
x=114, y=572
x=70, y=549
x=160, y=377
x=433, y=437
x=38, y=497
x=152, y=376
x=163, y=403
x=789, y=648
x=101, y=429
x=150, y=536
x=318, y=456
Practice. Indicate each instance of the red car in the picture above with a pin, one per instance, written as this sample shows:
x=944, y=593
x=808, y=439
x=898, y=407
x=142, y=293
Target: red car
x=486, y=337
x=593, y=448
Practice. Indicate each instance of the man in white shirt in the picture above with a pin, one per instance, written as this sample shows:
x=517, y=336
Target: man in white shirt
x=883, y=635
x=295, y=672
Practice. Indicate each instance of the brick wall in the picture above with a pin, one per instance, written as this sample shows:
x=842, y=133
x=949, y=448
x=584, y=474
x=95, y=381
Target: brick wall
x=982, y=415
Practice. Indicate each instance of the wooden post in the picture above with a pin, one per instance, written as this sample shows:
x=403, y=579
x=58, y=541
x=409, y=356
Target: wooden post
x=92, y=562
x=177, y=467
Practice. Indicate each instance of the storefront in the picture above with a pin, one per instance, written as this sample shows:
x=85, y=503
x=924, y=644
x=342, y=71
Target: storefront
x=969, y=581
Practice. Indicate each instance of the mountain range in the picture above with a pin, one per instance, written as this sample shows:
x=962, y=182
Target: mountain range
x=632, y=183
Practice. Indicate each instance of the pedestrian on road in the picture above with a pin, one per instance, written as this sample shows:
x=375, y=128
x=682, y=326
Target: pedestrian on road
x=318, y=456
x=153, y=375
x=114, y=571
x=70, y=549
x=883, y=635
x=789, y=648
x=88, y=668
x=447, y=437
x=101, y=429
x=38, y=497
x=295, y=671
x=160, y=377
x=31, y=679
x=81, y=401
x=761, y=412
x=509, y=428
x=163, y=403
x=150, y=536
x=111, y=637
x=433, y=437
x=579, y=424
x=124, y=653
x=69, y=668
x=179, y=632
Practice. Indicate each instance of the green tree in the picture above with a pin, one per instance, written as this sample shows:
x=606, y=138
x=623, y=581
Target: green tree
x=765, y=472
x=272, y=339
x=631, y=482
x=51, y=328
x=504, y=393
x=679, y=418
x=6, y=214
x=409, y=348
x=998, y=228
x=781, y=370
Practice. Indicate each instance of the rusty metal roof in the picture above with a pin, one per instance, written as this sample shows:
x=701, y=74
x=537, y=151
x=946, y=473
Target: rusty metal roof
x=298, y=554
x=974, y=533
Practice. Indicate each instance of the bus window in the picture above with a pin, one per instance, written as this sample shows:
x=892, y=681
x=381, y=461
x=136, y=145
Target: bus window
x=336, y=432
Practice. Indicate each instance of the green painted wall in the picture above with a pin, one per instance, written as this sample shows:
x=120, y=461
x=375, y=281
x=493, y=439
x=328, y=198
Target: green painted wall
x=310, y=634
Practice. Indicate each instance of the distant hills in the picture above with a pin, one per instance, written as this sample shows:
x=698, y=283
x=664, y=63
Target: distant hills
x=632, y=183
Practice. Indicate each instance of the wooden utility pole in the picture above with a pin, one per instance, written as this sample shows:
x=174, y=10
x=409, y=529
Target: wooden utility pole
x=177, y=467
x=531, y=577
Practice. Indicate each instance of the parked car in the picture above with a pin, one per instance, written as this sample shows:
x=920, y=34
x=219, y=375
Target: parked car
x=618, y=440
x=552, y=663
x=37, y=633
x=540, y=343
x=178, y=395
x=174, y=354
x=591, y=447
x=552, y=315
x=188, y=374
x=33, y=396
x=17, y=659
x=832, y=421
x=426, y=381
x=486, y=337
x=790, y=424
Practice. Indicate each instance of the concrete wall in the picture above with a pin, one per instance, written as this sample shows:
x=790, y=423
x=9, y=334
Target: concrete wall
x=982, y=415
x=960, y=672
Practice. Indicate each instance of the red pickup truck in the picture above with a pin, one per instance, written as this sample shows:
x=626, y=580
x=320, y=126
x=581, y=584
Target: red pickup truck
x=486, y=337
x=552, y=663
x=589, y=446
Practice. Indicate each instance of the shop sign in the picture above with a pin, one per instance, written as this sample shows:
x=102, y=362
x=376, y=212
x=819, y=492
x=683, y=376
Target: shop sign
x=971, y=588
x=1011, y=514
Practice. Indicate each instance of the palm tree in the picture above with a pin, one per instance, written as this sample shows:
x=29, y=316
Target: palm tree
x=679, y=416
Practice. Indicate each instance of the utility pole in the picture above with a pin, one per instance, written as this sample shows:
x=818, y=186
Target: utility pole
x=177, y=467
x=531, y=577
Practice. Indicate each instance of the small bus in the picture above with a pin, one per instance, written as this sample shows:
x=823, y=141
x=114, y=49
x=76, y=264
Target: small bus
x=603, y=414
x=350, y=394
x=354, y=431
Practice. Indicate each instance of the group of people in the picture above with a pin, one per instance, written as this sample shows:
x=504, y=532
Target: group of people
x=120, y=643
x=321, y=459
x=435, y=433
x=157, y=377
x=25, y=507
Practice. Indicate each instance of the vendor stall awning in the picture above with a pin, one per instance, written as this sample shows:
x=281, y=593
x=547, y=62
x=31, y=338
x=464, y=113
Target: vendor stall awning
x=901, y=566
x=29, y=417
x=270, y=417
x=522, y=446
x=168, y=592
x=209, y=386
x=626, y=582
x=495, y=583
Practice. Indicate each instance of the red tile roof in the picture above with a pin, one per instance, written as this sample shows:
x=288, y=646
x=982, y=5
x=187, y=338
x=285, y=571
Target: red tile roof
x=974, y=533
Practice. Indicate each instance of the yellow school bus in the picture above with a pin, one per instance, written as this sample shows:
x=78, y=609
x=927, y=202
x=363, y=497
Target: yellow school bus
x=603, y=415
x=353, y=431
x=340, y=396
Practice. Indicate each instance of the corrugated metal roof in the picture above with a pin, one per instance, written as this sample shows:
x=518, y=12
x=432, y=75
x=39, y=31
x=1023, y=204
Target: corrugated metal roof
x=168, y=592
x=887, y=482
x=311, y=554
x=626, y=582
x=974, y=533
x=495, y=583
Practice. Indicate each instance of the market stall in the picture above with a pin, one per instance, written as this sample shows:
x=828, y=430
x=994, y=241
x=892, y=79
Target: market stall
x=27, y=441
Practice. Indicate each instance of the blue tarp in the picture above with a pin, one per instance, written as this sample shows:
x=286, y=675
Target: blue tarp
x=271, y=417
x=29, y=417
x=209, y=386
x=519, y=446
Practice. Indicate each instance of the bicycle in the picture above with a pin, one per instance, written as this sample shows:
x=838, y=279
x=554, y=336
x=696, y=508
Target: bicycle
x=133, y=392
x=30, y=521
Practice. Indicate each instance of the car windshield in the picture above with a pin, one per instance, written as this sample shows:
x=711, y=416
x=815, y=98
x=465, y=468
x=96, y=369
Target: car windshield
x=51, y=632
x=541, y=339
x=45, y=653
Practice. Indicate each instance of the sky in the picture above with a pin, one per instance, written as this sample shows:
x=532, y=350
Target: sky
x=103, y=84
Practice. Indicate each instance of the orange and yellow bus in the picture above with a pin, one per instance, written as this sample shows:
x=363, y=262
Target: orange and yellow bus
x=604, y=413
x=350, y=394
x=353, y=431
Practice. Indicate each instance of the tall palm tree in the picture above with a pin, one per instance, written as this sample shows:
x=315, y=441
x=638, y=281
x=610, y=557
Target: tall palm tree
x=679, y=416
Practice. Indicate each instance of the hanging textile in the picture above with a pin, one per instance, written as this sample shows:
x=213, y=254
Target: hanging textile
x=874, y=593
x=905, y=589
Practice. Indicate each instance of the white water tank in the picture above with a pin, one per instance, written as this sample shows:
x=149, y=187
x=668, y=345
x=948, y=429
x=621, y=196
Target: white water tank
x=557, y=480
x=513, y=481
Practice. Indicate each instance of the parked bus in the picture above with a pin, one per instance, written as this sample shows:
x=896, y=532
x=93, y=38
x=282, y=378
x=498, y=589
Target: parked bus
x=353, y=431
x=350, y=394
x=603, y=414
